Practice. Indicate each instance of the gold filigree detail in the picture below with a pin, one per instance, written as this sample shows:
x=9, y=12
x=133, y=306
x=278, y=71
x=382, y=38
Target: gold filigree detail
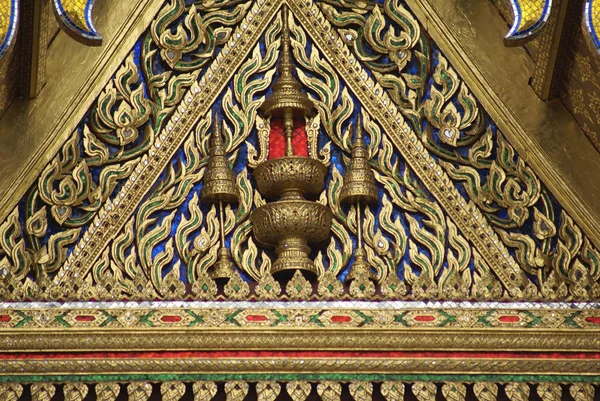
x=42, y=391
x=361, y=391
x=329, y=391
x=75, y=391
x=267, y=391
x=329, y=287
x=361, y=287
x=172, y=391
x=298, y=390
x=204, y=390
x=485, y=391
x=236, y=390
x=393, y=391
x=454, y=391
x=517, y=391
x=298, y=287
x=13, y=391
x=549, y=391
x=205, y=287
x=424, y=391
x=582, y=391
x=268, y=288
x=236, y=287
x=107, y=391
x=139, y=391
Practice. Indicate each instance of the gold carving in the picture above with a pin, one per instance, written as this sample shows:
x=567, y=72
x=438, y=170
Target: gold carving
x=75, y=391
x=286, y=95
x=236, y=390
x=393, y=391
x=107, y=391
x=298, y=390
x=138, y=391
x=549, y=391
x=329, y=391
x=267, y=391
x=268, y=288
x=290, y=224
x=42, y=391
x=359, y=187
x=361, y=391
x=517, y=391
x=582, y=391
x=220, y=186
x=454, y=391
x=361, y=287
x=298, y=287
x=292, y=221
x=485, y=391
x=329, y=287
x=13, y=391
x=172, y=391
x=424, y=391
x=236, y=287
x=204, y=391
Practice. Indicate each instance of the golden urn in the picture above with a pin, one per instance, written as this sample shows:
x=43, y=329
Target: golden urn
x=291, y=222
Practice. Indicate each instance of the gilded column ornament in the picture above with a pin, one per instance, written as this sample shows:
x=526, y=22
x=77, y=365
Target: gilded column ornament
x=107, y=391
x=292, y=221
x=359, y=188
x=298, y=390
x=13, y=391
x=220, y=186
x=204, y=391
x=75, y=391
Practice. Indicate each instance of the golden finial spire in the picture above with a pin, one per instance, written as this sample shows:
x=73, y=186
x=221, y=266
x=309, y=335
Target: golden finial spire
x=219, y=186
x=359, y=187
x=219, y=180
x=287, y=99
x=359, y=180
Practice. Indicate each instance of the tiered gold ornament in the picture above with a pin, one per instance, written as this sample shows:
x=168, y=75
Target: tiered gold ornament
x=220, y=186
x=292, y=221
x=359, y=187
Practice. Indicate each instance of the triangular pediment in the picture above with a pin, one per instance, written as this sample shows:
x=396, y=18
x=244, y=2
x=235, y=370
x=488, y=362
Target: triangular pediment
x=118, y=214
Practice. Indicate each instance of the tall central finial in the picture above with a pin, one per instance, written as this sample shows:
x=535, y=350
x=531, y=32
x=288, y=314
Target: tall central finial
x=287, y=99
x=285, y=66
